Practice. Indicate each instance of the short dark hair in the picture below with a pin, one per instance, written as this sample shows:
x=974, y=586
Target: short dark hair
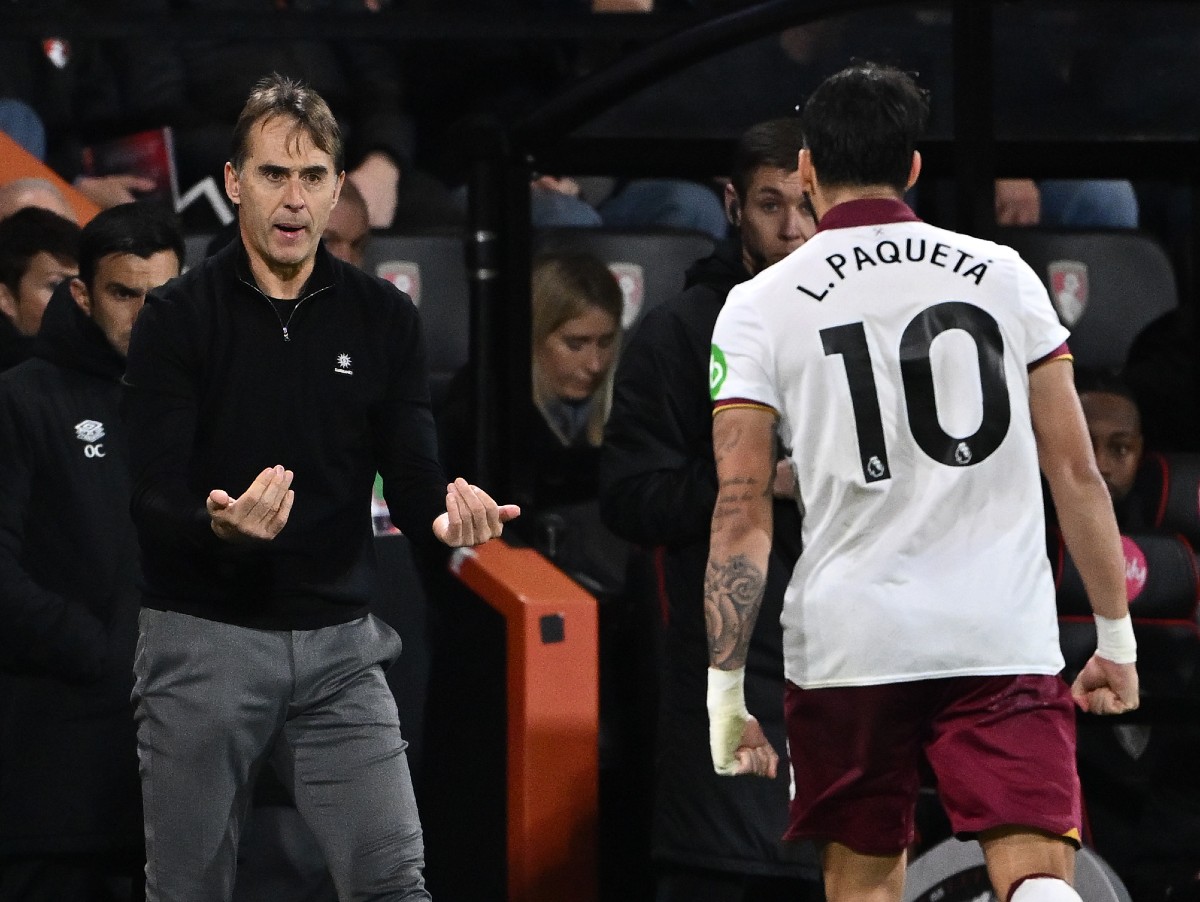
x=1105, y=381
x=775, y=143
x=29, y=232
x=278, y=95
x=141, y=228
x=862, y=125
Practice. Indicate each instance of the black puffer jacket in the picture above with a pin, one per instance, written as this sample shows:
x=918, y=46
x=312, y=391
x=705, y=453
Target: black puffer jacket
x=68, y=596
x=657, y=488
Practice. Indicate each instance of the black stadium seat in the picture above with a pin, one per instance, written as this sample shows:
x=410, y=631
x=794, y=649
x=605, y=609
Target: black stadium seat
x=432, y=270
x=1106, y=285
x=1137, y=771
x=1168, y=490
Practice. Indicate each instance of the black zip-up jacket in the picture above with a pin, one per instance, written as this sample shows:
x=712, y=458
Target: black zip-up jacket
x=220, y=386
x=68, y=597
x=658, y=487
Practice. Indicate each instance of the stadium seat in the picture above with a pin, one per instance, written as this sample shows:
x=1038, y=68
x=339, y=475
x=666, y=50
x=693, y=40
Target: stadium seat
x=195, y=247
x=1167, y=488
x=649, y=264
x=431, y=269
x=1139, y=802
x=1106, y=286
x=1162, y=584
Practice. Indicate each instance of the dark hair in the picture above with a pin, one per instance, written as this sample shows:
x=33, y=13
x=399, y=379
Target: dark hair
x=141, y=228
x=278, y=95
x=29, y=232
x=862, y=125
x=775, y=143
x=1103, y=381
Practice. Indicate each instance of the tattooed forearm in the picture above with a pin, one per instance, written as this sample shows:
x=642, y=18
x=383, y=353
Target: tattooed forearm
x=734, y=495
x=733, y=590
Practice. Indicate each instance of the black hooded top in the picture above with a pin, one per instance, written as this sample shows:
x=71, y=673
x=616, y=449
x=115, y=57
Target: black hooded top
x=68, y=596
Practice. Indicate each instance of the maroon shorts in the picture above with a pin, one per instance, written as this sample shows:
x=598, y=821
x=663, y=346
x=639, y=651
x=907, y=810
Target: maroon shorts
x=1002, y=749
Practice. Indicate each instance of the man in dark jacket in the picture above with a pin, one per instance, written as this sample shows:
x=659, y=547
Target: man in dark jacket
x=714, y=839
x=70, y=810
x=276, y=371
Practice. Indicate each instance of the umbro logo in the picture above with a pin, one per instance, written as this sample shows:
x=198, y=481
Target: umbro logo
x=343, y=365
x=90, y=432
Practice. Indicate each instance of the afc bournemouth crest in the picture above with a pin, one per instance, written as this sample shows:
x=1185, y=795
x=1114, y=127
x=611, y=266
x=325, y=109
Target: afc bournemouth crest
x=57, y=51
x=632, y=280
x=405, y=275
x=1069, y=289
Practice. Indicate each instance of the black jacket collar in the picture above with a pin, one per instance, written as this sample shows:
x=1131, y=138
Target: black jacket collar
x=70, y=338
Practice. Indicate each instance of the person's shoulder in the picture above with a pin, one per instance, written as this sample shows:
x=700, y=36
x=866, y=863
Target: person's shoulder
x=371, y=290
x=195, y=286
x=30, y=382
x=682, y=319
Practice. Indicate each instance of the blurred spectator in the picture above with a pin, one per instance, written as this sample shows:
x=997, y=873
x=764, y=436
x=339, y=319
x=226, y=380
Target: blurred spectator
x=38, y=251
x=71, y=88
x=1115, y=425
x=199, y=86
x=1069, y=203
x=70, y=806
x=21, y=122
x=577, y=306
x=348, y=230
x=33, y=192
x=631, y=204
x=714, y=838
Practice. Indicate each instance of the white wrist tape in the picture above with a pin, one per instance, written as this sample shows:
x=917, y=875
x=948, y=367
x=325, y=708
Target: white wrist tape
x=727, y=716
x=1114, y=639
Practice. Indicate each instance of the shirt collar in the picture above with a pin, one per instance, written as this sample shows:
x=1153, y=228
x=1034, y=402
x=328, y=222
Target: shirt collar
x=868, y=211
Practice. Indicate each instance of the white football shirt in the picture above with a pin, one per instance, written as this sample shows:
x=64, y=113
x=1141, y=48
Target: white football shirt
x=897, y=355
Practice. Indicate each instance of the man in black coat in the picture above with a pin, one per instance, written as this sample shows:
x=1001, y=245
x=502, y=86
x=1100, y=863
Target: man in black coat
x=70, y=808
x=714, y=839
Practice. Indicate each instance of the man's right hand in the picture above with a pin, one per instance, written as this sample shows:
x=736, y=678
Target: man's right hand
x=259, y=513
x=1104, y=687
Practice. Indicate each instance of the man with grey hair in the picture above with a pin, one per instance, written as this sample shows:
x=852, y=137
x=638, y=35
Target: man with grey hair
x=279, y=371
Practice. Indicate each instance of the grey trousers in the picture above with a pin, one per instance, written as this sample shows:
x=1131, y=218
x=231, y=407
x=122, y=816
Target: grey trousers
x=214, y=702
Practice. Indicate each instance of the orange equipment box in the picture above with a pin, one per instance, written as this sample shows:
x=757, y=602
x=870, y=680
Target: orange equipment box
x=552, y=668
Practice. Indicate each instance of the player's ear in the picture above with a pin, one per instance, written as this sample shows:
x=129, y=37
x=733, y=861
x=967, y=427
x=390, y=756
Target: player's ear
x=8, y=302
x=82, y=296
x=233, y=186
x=915, y=171
x=733, y=207
x=808, y=175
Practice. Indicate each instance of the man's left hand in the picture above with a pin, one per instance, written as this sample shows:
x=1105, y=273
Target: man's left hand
x=377, y=178
x=471, y=517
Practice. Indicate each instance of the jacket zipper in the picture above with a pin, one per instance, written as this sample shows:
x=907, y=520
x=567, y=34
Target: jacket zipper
x=282, y=324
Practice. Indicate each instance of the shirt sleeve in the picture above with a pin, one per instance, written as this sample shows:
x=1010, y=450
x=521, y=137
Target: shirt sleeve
x=405, y=435
x=1044, y=333
x=742, y=359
